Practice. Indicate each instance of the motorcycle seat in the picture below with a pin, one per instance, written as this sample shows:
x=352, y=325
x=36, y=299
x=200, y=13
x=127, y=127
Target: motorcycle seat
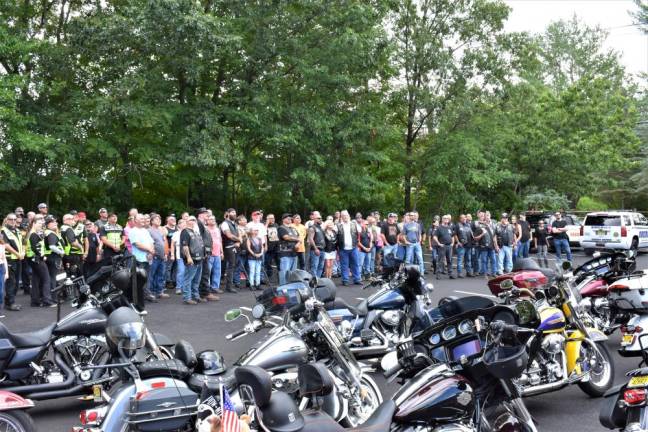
x=531, y=264
x=29, y=339
x=102, y=273
x=360, y=309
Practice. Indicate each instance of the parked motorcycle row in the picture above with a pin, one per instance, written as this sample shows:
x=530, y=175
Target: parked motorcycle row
x=464, y=364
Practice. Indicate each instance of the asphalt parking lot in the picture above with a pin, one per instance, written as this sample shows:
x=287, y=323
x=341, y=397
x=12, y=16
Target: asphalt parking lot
x=203, y=325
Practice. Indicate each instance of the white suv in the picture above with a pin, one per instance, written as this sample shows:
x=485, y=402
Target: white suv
x=614, y=230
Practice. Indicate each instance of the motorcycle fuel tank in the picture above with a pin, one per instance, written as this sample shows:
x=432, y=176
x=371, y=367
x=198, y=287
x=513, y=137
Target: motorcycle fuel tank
x=87, y=321
x=434, y=395
x=551, y=318
x=386, y=299
x=530, y=279
x=275, y=353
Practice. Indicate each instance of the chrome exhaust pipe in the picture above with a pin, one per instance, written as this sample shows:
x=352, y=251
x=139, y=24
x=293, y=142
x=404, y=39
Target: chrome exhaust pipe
x=372, y=350
x=544, y=388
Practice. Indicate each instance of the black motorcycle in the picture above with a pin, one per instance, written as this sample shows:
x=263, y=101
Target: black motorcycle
x=61, y=359
x=471, y=393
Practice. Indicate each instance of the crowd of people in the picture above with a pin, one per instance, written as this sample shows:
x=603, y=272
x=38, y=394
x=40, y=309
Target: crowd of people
x=200, y=257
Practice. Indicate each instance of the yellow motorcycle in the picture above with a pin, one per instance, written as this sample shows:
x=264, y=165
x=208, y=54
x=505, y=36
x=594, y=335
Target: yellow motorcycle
x=564, y=349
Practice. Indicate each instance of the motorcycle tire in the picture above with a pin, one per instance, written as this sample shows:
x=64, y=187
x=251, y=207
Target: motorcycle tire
x=16, y=421
x=376, y=399
x=595, y=390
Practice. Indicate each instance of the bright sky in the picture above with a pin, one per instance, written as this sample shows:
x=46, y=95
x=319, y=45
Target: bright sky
x=612, y=15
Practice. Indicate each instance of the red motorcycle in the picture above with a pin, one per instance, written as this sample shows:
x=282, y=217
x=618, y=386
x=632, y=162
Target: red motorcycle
x=13, y=417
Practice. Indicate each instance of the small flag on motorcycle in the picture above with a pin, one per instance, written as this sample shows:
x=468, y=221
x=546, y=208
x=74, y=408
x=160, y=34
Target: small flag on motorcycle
x=229, y=418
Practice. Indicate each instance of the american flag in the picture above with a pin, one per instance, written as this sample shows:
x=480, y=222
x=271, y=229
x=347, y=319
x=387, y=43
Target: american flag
x=229, y=417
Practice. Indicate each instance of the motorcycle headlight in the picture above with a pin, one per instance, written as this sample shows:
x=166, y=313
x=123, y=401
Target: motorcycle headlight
x=391, y=318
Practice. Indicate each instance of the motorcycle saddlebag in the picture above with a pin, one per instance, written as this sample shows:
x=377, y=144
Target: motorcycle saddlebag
x=162, y=409
x=611, y=415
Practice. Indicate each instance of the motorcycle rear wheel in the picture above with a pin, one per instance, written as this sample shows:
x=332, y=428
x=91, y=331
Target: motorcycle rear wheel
x=601, y=376
x=16, y=421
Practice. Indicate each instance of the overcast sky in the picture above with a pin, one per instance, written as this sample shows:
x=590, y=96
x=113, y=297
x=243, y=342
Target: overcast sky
x=612, y=15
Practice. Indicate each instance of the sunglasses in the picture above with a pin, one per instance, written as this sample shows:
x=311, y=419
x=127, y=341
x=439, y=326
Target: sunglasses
x=11, y=219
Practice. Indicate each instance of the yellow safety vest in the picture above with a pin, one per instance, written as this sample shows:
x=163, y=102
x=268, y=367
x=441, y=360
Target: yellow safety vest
x=80, y=234
x=48, y=251
x=67, y=246
x=17, y=239
x=29, y=252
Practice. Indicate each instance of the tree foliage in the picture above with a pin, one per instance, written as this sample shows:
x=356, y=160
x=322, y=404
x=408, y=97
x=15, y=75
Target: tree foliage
x=293, y=105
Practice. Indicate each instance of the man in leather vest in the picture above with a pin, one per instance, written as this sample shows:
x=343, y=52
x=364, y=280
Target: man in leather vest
x=504, y=241
x=15, y=255
x=288, y=239
x=464, y=242
x=193, y=254
x=231, y=245
x=205, y=278
x=347, y=248
x=317, y=242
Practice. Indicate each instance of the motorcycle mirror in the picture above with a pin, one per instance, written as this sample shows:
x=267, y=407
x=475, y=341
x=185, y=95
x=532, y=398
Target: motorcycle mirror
x=632, y=253
x=389, y=361
x=566, y=265
x=232, y=314
x=506, y=284
x=429, y=288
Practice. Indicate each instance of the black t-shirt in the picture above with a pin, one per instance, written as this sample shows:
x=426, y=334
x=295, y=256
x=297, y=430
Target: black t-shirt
x=331, y=241
x=93, y=245
x=287, y=247
x=390, y=231
x=444, y=234
x=273, y=237
x=525, y=231
x=52, y=240
x=560, y=224
x=68, y=236
x=541, y=235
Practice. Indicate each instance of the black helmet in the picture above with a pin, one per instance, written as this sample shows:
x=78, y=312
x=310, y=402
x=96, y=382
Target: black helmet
x=299, y=276
x=125, y=329
x=506, y=362
x=210, y=363
x=121, y=279
x=325, y=291
x=413, y=285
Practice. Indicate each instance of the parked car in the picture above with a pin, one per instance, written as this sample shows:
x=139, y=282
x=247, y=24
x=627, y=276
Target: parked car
x=614, y=230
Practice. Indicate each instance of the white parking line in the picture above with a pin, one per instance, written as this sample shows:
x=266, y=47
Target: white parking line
x=474, y=293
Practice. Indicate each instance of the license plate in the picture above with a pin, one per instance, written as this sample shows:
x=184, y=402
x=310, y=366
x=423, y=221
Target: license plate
x=638, y=381
x=600, y=244
x=601, y=232
x=96, y=393
x=627, y=339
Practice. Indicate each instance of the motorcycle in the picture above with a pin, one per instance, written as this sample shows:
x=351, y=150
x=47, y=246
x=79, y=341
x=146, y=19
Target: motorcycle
x=13, y=417
x=624, y=406
x=153, y=395
x=306, y=333
x=565, y=350
x=593, y=280
x=63, y=359
x=471, y=393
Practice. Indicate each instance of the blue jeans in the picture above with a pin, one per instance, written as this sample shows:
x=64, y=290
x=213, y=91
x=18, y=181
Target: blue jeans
x=487, y=256
x=3, y=270
x=254, y=275
x=316, y=263
x=241, y=263
x=349, y=259
x=214, y=272
x=363, y=262
x=562, y=245
x=191, y=283
x=523, y=249
x=286, y=264
x=157, y=275
x=414, y=255
x=372, y=264
x=505, y=259
x=464, y=255
x=180, y=271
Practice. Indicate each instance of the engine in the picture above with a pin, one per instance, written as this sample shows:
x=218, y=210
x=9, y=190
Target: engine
x=548, y=366
x=80, y=351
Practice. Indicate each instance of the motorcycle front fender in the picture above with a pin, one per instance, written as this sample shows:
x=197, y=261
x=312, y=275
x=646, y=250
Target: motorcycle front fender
x=596, y=335
x=11, y=401
x=572, y=351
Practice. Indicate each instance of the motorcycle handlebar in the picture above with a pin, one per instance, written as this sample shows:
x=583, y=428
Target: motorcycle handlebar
x=501, y=327
x=235, y=334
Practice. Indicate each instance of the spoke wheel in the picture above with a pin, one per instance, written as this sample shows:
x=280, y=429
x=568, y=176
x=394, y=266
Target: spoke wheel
x=16, y=421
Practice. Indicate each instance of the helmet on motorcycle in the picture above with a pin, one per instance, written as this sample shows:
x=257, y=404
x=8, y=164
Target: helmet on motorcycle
x=299, y=276
x=210, y=363
x=125, y=330
x=121, y=279
x=413, y=285
x=506, y=362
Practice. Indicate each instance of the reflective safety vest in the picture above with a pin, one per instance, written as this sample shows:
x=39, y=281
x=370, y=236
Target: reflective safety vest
x=114, y=235
x=48, y=251
x=67, y=246
x=16, y=238
x=80, y=234
x=29, y=252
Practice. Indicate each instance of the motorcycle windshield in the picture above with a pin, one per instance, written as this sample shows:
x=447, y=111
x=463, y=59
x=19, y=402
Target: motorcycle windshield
x=338, y=345
x=463, y=305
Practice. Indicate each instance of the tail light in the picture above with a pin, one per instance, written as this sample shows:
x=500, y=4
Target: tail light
x=582, y=230
x=634, y=396
x=279, y=300
x=624, y=231
x=155, y=385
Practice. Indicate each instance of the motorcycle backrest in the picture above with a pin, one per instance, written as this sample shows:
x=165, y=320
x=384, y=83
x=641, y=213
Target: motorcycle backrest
x=185, y=353
x=325, y=291
x=314, y=380
x=256, y=382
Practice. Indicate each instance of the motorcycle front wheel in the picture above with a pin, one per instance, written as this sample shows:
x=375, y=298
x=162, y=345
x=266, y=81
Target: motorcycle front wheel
x=601, y=370
x=16, y=421
x=358, y=414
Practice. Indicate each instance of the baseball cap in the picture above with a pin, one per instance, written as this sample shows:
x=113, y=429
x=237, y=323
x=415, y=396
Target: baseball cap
x=392, y=215
x=202, y=210
x=286, y=215
x=81, y=214
x=42, y=205
x=505, y=216
x=49, y=219
x=102, y=210
x=74, y=212
x=257, y=213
